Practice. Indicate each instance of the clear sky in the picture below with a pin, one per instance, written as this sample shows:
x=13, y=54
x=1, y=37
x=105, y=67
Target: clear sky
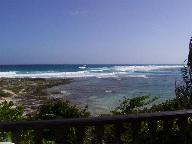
x=94, y=31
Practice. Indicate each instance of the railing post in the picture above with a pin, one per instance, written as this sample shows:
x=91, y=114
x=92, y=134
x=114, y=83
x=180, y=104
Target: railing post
x=152, y=125
x=135, y=129
x=183, y=123
x=99, y=135
x=38, y=136
x=80, y=134
x=118, y=129
x=16, y=136
x=59, y=133
x=167, y=125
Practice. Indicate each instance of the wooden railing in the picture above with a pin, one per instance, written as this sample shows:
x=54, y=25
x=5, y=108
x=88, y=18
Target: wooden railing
x=118, y=125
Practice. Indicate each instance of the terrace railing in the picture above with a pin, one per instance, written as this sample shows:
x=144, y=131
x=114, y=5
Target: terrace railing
x=98, y=127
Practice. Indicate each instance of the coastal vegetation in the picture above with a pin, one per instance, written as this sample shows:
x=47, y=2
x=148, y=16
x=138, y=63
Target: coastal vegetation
x=9, y=113
x=51, y=109
x=59, y=109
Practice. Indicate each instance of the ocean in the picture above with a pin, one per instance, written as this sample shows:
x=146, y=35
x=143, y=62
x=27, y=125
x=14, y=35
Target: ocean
x=102, y=87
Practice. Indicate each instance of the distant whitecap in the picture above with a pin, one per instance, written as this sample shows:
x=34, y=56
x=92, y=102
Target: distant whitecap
x=108, y=91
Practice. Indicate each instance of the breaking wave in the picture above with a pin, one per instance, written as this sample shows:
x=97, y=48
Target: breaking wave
x=145, y=68
x=99, y=72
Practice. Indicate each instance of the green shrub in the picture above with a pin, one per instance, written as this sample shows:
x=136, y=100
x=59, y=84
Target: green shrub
x=9, y=113
x=59, y=109
x=133, y=105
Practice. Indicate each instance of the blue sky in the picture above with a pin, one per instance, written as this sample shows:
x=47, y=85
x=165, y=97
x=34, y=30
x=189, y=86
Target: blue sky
x=94, y=31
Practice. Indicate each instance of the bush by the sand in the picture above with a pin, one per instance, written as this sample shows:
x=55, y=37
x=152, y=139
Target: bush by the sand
x=53, y=109
x=9, y=113
x=59, y=109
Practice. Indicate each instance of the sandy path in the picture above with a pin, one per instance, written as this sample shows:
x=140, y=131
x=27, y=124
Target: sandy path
x=8, y=99
x=9, y=91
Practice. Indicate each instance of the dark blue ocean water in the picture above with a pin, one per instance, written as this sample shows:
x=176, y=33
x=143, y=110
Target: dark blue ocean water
x=102, y=86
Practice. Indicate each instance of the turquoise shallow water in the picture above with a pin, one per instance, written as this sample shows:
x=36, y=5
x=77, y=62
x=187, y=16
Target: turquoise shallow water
x=102, y=86
x=102, y=95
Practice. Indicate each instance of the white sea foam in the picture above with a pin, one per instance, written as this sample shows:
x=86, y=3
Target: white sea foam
x=65, y=92
x=100, y=69
x=108, y=91
x=144, y=68
x=5, y=74
x=56, y=75
x=82, y=67
x=96, y=70
x=138, y=76
x=78, y=74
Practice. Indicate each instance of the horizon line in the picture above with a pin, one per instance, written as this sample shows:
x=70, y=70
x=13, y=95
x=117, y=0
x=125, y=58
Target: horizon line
x=93, y=64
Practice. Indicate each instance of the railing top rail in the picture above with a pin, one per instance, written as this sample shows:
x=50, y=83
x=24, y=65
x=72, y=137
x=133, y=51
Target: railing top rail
x=94, y=120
